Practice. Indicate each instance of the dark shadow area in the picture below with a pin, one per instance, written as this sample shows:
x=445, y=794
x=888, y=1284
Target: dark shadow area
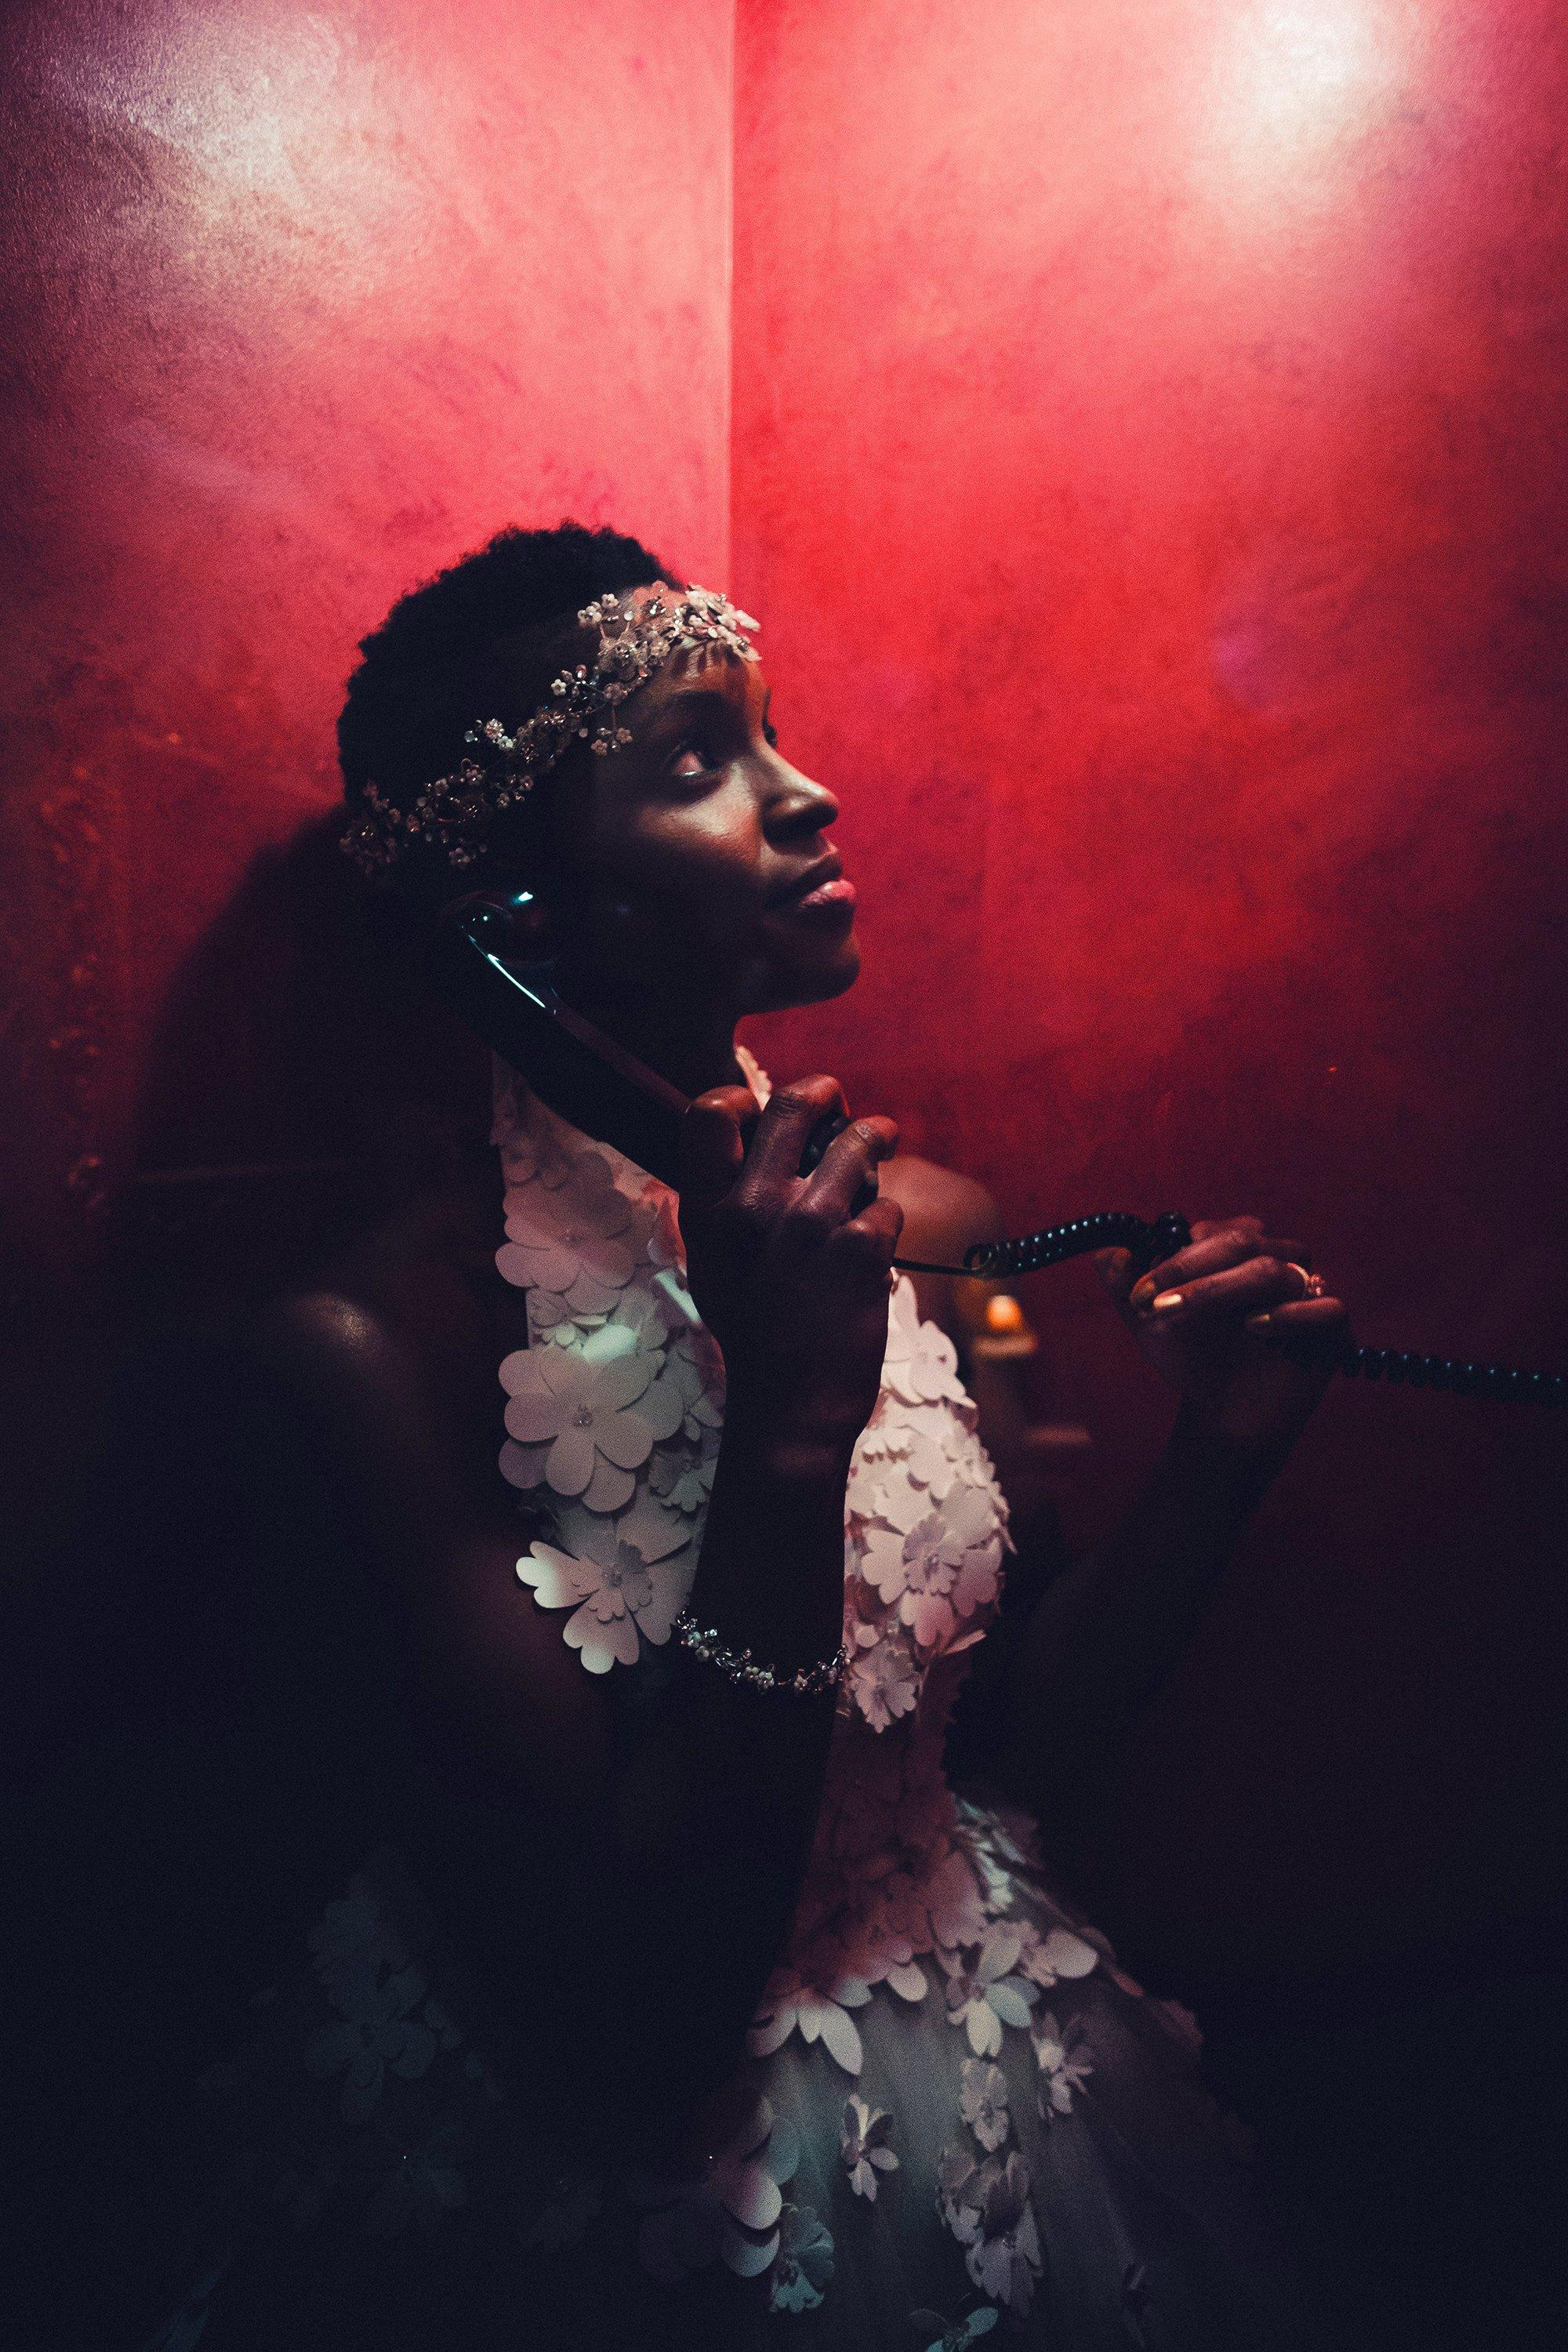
x=300, y=1070
x=197, y=1754
x=172, y=1685
x=1405, y=2071
x=1416, y=2106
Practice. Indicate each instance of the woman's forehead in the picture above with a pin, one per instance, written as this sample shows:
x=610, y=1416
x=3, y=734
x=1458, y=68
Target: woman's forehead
x=715, y=673
x=719, y=687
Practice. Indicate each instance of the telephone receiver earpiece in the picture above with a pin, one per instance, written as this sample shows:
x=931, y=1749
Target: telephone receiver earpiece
x=532, y=928
x=494, y=957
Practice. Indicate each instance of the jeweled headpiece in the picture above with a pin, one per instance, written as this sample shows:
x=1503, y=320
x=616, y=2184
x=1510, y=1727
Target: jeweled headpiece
x=639, y=633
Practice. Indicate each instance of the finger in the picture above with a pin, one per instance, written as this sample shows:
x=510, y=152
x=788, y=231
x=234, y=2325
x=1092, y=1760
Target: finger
x=1251, y=1289
x=871, y=1237
x=1221, y=1245
x=1305, y=1316
x=1118, y=1270
x=713, y=1136
x=847, y=1167
x=788, y=1117
x=844, y=1180
x=1207, y=1227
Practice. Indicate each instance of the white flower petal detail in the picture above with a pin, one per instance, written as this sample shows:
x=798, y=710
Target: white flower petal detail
x=1065, y=2067
x=701, y=2211
x=663, y=1407
x=987, y=2207
x=678, y=1476
x=804, y=2263
x=842, y=2038
x=1055, y=1954
x=569, y=1464
x=771, y=2033
x=533, y=1416
x=863, y=2146
x=984, y=2029
x=608, y=1488
x=789, y=2005
x=624, y=1595
x=928, y=1619
x=669, y=1583
x=622, y=1372
x=624, y=1437
x=600, y=1645
x=1010, y=2002
x=523, y=1465
x=920, y=1365
x=884, y=1681
x=618, y=1406
x=570, y=1237
x=982, y=2102
x=590, y=1293
x=552, y=1575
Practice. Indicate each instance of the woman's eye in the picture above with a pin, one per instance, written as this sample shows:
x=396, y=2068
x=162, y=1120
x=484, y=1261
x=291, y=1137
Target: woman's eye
x=770, y=735
x=701, y=758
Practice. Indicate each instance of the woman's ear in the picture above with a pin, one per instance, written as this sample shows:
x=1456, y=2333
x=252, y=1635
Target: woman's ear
x=533, y=929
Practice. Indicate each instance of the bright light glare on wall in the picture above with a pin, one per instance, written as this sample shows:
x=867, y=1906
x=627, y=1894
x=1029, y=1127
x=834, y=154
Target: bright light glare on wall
x=1293, y=84
x=234, y=95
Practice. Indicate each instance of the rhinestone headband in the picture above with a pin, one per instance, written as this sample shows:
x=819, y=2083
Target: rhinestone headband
x=638, y=634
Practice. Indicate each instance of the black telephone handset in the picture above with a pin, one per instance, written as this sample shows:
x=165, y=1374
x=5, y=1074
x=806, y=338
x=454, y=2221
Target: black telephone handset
x=481, y=964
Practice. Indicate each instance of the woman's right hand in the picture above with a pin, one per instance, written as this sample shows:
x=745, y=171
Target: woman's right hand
x=792, y=1284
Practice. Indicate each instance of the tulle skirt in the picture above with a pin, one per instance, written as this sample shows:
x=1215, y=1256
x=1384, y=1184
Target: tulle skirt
x=1031, y=2158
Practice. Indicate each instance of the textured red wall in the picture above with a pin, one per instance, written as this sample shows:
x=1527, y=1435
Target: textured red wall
x=1149, y=469
x=302, y=301
x=1147, y=464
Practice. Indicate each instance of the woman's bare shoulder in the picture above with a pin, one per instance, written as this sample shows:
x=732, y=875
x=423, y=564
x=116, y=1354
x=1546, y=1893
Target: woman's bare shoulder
x=350, y=1393
x=944, y=1211
x=399, y=1337
x=367, y=1385
x=338, y=1346
x=386, y=1353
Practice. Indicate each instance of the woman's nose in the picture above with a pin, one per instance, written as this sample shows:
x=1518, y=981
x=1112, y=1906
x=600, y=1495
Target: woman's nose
x=796, y=803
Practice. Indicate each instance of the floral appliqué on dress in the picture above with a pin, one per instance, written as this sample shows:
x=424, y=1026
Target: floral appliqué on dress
x=613, y=1414
x=947, y=2074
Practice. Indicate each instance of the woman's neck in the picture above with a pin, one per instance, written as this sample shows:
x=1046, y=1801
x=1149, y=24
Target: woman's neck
x=692, y=1046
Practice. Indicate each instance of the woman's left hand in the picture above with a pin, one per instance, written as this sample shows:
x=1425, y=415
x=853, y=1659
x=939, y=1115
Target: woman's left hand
x=1208, y=1320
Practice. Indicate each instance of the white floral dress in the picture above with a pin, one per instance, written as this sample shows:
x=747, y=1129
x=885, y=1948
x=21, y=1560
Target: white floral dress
x=957, y=2115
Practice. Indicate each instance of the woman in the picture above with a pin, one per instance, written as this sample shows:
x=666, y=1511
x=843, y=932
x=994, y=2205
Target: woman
x=675, y=2002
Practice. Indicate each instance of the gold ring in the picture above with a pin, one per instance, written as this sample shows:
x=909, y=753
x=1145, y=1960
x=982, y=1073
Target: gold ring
x=1311, y=1284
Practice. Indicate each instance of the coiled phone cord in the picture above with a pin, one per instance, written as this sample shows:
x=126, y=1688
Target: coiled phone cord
x=1151, y=1242
x=483, y=964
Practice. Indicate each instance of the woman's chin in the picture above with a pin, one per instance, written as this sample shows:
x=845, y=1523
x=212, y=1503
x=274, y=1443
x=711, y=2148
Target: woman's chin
x=815, y=979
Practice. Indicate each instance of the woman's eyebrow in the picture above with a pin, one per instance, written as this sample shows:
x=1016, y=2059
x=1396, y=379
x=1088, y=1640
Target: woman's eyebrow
x=679, y=705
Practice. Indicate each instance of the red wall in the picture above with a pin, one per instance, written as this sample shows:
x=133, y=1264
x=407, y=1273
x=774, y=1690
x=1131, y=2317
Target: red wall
x=303, y=302
x=1149, y=469
x=1147, y=464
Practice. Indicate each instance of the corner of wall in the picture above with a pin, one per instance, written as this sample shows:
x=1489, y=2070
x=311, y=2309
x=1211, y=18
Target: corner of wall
x=728, y=425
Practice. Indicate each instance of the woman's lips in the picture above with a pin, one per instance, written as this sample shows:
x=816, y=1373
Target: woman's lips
x=837, y=896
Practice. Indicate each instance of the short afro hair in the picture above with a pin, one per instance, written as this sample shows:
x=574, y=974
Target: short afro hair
x=482, y=640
